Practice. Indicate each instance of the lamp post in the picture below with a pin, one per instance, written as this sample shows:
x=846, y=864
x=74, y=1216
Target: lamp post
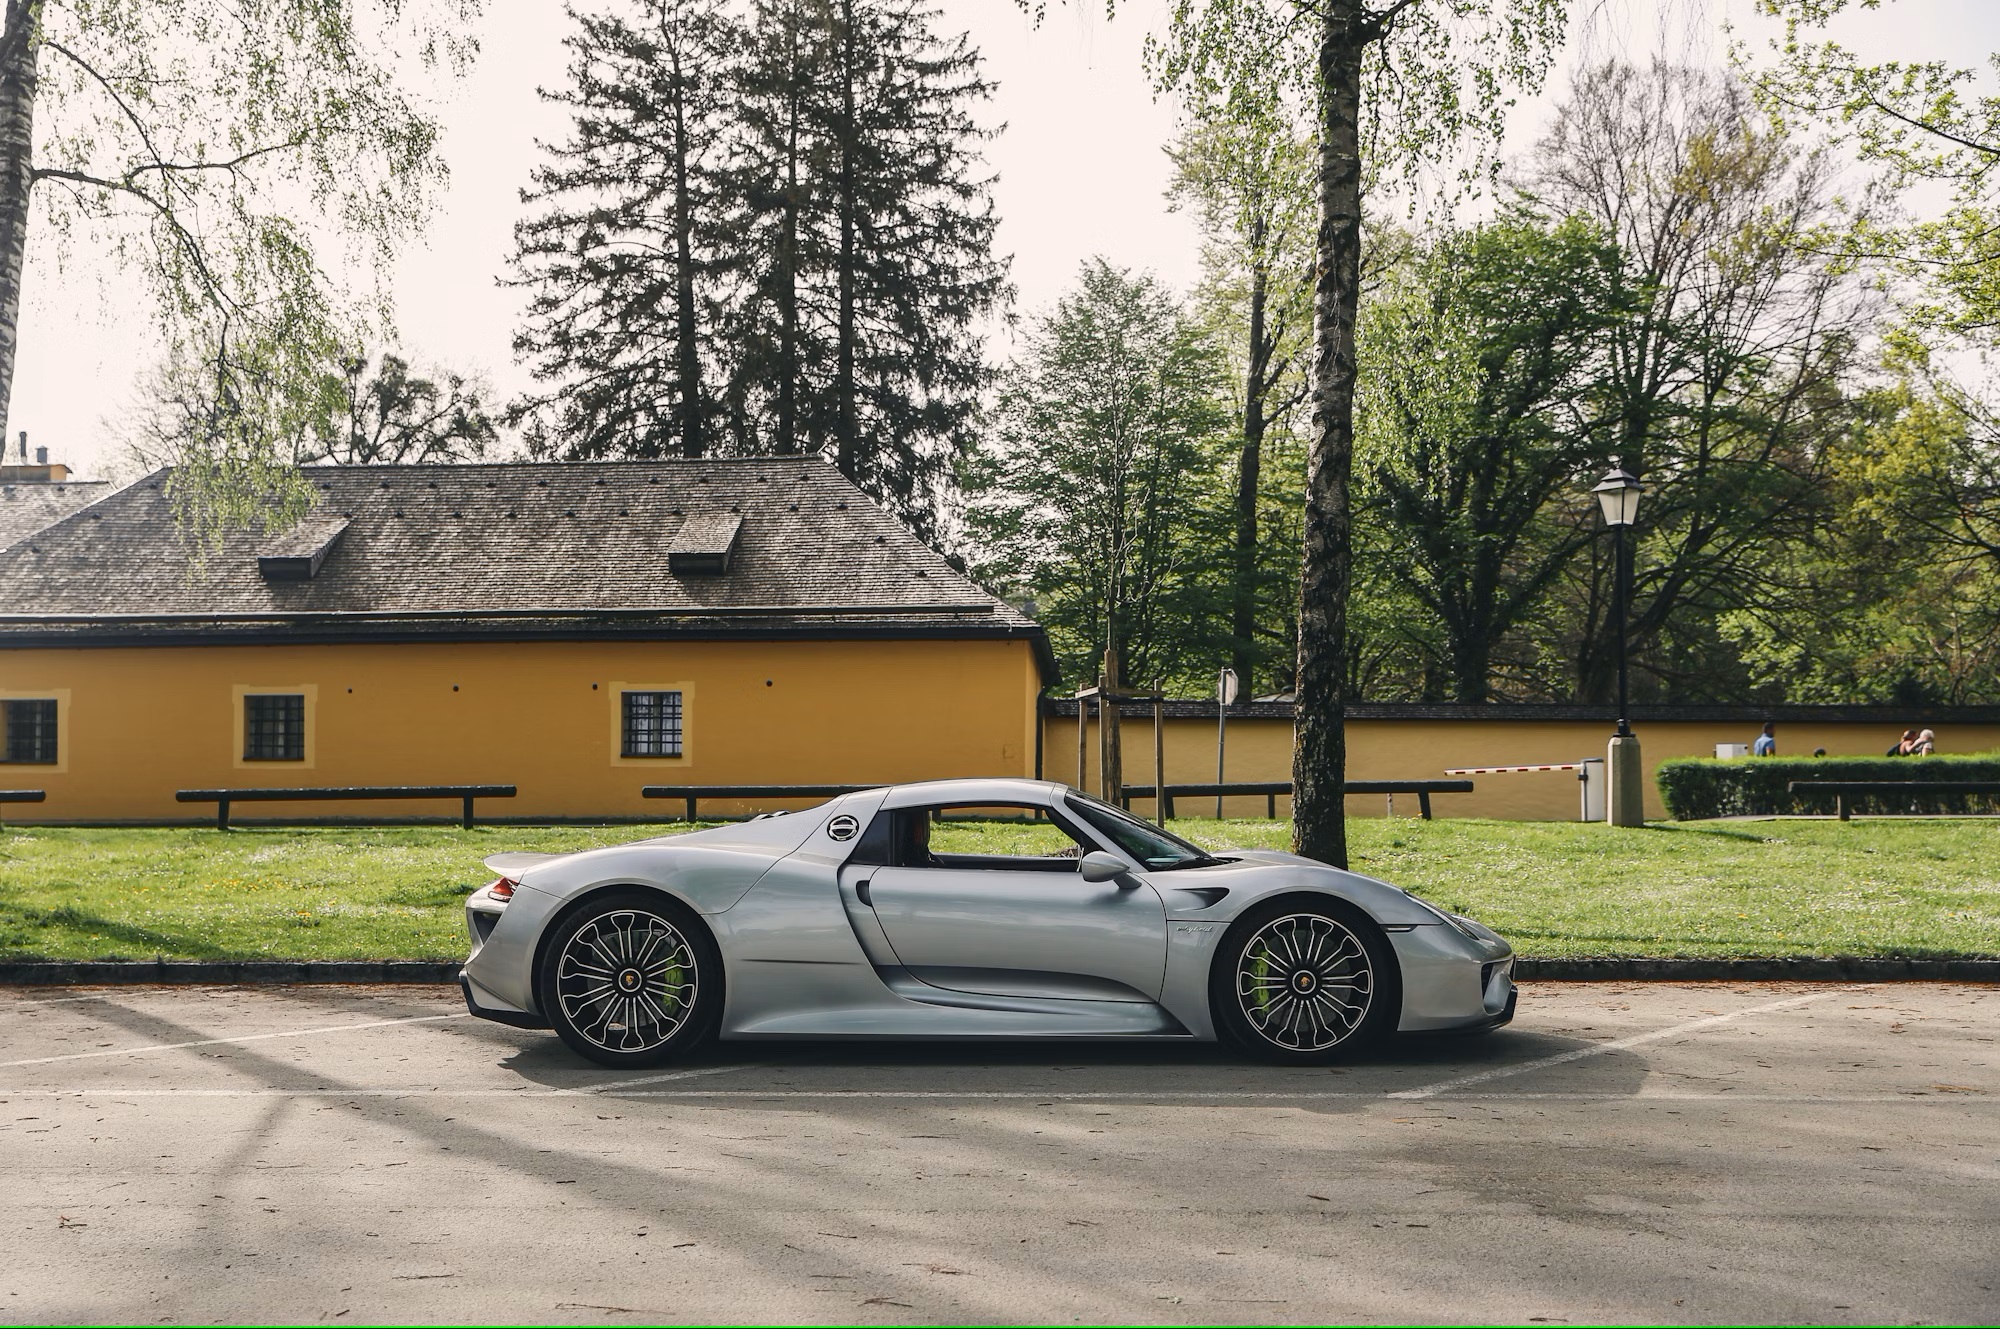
x=1625, y=799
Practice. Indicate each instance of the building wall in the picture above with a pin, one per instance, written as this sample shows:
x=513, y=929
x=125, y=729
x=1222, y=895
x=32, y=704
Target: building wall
x=1261, y=749
x=138, y=723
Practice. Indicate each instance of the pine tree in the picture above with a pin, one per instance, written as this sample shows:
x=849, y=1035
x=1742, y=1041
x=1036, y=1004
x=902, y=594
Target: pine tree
x=620, y=254
x=865, y=239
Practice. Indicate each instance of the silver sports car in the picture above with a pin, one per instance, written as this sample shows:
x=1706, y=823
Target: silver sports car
x=966, y=909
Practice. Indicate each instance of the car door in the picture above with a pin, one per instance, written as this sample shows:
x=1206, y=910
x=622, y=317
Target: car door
x=1018, y=924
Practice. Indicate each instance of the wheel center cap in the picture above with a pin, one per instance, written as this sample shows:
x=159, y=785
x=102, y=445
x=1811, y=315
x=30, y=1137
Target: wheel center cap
x=1303, y=981
x=628, y=980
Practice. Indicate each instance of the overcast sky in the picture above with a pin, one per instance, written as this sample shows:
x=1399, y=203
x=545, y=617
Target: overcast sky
x=1080, y=169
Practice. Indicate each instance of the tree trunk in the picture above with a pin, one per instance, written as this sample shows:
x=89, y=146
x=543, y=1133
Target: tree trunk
x=1114, y=747
x=19, y=51
x=1243, y=627
x=788, y=257
x=846, y=445
x=689, y=356
x=1319, y=755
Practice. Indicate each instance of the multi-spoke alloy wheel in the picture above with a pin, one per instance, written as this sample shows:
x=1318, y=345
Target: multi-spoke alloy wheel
x=623, y=983
x=1303, y=983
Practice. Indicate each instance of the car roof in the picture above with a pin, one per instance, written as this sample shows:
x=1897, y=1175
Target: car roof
x=1039, y=793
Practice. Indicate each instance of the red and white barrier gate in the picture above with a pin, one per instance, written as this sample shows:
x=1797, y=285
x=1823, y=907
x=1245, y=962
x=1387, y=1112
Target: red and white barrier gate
x=1589, y=777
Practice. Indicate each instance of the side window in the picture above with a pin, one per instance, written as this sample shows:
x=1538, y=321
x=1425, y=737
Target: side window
x=274, y=726
x=652, y=725
x=31, y=731
x=988, y=837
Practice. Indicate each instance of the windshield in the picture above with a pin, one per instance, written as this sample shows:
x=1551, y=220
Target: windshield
x=1150, y=845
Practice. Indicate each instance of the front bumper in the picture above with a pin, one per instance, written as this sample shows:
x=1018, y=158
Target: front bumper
x=1452, y=981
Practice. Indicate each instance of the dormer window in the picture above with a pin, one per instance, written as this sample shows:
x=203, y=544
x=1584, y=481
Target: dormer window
x=704, y=543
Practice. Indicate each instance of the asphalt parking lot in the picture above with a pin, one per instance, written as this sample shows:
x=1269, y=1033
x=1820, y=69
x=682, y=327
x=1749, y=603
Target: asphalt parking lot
x=1661, y=1152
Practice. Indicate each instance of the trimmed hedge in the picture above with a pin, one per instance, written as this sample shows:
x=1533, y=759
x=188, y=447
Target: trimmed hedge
x=1696, y=788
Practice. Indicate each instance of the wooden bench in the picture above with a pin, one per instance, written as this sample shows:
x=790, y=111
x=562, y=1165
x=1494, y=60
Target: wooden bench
x=22, y=795
x=1843, y=790
x=222, y=798
x=1271, y=789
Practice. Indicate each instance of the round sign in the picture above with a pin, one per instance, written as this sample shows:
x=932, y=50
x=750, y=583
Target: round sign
x=842, y=827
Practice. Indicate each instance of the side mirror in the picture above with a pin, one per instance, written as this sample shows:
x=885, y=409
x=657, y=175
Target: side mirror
x=1097, y=865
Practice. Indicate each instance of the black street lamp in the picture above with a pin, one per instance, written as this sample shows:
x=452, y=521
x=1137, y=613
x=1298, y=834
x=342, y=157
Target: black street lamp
x=1618, y=494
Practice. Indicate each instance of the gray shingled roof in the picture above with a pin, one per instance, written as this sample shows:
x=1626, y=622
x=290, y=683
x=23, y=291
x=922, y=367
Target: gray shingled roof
x=508, y=549
x=28, y=508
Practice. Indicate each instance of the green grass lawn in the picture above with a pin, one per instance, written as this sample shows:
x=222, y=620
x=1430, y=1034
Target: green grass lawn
x=1902, y=888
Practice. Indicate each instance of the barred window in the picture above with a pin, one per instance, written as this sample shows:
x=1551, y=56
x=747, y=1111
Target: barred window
x=652, y=724
x=274, y=727
x=31, y=732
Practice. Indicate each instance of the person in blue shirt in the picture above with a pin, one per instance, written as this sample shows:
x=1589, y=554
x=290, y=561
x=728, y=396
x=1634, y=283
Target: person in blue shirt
x=1767, y=742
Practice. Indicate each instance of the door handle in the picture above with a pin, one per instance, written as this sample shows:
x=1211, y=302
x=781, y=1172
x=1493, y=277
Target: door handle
x=861, y=893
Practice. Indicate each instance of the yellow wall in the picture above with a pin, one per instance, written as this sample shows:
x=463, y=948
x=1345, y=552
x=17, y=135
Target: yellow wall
x=1260, y=749
x=138, y=723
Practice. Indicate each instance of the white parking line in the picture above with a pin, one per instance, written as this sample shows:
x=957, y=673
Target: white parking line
x=671, y=1075
x=54, y=1001
x=1615, y=1045
x=1915, y=1098
x=246, y=1038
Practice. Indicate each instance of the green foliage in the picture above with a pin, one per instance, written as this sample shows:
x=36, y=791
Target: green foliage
x=769, y=231
x=1929, y=123
x=245, y=162
x=1439, y=77
x=1099, y=496
x=1696, y=789
x=1481, y=403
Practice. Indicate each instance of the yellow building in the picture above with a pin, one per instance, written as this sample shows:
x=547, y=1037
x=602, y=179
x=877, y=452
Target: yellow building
x=578, y=631
x=1413, y=741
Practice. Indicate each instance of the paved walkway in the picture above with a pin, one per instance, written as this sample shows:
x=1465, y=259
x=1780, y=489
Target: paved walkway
x=1670, y=1152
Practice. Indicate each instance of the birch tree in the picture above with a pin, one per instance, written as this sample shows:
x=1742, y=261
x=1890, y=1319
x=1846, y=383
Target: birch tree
x=1426, y=84
x=241, y=160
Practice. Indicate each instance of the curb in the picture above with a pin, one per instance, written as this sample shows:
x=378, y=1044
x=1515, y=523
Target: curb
x=85, y=972
x=1837, y=969
x=1833, y=969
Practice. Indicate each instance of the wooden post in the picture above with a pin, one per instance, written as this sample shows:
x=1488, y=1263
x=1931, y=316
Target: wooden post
x=1082, y=742
x=1159, y=755
x=1840, y=805
x=1424, y=802
x=690, y=811
x=1104, y=789
x=221, y=814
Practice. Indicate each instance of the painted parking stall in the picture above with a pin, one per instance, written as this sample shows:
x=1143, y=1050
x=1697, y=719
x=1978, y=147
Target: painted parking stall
x=1669, y=1152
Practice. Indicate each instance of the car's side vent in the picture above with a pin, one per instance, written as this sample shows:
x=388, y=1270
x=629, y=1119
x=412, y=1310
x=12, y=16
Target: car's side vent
x=296, y=554
x=704, y=543
x=1208, y=895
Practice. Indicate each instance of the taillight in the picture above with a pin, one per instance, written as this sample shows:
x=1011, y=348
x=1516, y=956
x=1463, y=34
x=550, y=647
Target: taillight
x=501, y=889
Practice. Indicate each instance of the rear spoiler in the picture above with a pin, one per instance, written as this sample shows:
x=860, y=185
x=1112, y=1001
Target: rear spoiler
x=511, y=866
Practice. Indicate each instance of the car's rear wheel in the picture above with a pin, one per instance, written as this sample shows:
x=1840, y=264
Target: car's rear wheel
x=631, y=980
x=1304, y=983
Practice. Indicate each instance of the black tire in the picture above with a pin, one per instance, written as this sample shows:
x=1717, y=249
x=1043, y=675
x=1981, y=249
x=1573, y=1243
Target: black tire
x=1304, y=982
x=631, y=980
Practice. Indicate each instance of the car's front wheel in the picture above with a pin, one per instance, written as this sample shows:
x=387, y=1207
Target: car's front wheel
x=1304, y=983
x=631, y=980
